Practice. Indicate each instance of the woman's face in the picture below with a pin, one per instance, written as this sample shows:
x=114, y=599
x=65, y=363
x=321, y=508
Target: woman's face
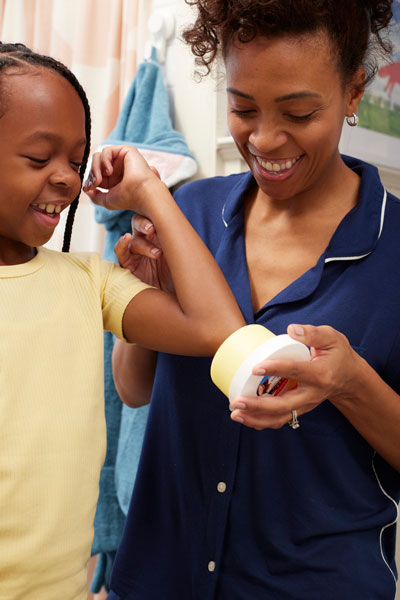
x=286, y=106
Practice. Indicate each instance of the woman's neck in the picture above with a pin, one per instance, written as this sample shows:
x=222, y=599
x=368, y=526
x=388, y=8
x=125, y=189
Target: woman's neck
x=333, y=196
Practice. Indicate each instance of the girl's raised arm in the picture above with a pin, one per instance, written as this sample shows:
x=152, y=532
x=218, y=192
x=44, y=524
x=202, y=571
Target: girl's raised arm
x=203, y=312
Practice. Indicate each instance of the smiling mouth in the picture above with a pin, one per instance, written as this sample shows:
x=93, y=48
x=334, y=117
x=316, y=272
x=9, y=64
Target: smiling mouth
x=48, y=209
x=277, y=166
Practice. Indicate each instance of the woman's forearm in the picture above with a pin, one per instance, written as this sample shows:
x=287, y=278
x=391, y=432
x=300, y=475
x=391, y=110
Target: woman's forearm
x=133, y=371
x=373, y=408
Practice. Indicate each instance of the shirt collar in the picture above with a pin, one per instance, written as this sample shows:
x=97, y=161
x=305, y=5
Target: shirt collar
x=360, y=230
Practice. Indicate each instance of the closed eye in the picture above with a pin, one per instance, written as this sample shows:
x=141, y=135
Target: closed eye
x=40, y=161
x=301, y=117
x=242, y=113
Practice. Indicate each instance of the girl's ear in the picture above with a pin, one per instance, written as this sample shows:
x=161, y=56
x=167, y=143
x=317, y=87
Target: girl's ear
x=355, y=92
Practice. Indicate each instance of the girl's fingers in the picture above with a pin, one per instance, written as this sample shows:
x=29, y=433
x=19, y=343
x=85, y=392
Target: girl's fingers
x=102, y=167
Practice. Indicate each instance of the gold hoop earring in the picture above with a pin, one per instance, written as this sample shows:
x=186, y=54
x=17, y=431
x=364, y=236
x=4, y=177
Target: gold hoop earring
x=353, y=120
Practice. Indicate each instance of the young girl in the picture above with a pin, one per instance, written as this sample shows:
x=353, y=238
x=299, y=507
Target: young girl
x=53, y=310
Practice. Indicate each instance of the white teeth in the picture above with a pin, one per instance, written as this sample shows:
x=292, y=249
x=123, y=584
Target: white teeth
x=50, y=208
x=277, y=167
x=58, y=209
x=42, y=206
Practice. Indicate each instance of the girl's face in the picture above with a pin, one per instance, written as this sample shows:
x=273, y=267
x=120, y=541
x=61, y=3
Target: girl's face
x=286, y=106
x=42, y=141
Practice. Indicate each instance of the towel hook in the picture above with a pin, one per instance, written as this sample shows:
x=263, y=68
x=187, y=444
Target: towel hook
x=161, y=25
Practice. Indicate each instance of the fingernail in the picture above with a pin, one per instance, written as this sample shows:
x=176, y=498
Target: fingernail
x=297, y=329
x=148, y=226
x=237, y=418
x=259, y=372
x=155, y=251
x=239, y=405
x=89, y=180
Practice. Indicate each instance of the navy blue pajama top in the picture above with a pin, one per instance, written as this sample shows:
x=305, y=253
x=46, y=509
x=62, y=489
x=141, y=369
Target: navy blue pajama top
x=224, y=512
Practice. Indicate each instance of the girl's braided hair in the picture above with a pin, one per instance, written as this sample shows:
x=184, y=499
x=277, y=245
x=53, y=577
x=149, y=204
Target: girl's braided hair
x=356, y=28
x=20, y=56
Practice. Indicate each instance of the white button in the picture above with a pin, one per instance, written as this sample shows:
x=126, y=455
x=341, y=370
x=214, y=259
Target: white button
x=221, y=487
x=211, y=566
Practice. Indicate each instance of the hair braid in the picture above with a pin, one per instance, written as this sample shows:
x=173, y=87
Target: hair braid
x=19, y=55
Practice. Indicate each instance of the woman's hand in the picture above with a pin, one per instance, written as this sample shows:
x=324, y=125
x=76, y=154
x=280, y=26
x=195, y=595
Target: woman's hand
x=127, y=181
x=141, y=253
x=329, y=375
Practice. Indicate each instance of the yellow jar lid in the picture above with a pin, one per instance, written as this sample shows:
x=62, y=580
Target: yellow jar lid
x=233, y=351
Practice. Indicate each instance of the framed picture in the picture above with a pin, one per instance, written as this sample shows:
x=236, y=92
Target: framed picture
x=377, y=137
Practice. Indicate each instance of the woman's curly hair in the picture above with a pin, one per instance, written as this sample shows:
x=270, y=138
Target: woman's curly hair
x=356, y=28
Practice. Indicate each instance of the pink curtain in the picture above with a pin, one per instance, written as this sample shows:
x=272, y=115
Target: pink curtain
x=97, y=40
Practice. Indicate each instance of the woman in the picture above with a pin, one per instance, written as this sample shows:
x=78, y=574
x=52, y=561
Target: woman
x=242, y=506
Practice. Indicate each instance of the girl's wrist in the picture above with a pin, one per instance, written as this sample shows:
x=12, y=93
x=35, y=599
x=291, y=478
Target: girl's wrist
x=147, y=196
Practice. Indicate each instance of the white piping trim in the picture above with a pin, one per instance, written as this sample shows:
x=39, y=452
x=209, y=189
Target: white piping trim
x=223, y=215
x=382, y=212
x=346, y=257
x=389, y=524
x=379, y=235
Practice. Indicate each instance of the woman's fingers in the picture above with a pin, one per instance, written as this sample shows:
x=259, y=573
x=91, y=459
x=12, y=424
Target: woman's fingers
x=128, y=246
x=271, y=412
x=327, y=376
x=144, y=247
x=142, y=225
x=122, y=251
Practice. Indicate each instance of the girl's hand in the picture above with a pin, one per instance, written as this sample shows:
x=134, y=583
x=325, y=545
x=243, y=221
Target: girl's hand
x=141, y=253
x=329, y=375
x=127, y=181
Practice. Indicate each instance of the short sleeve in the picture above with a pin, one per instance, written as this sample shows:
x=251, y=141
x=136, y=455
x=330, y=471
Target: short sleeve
x=119, y=287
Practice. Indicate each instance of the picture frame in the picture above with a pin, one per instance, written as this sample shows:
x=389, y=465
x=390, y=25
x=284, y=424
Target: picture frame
x=377, y=137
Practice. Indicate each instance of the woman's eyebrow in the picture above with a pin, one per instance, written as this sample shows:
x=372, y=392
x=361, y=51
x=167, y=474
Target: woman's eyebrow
x=293, y=96
x=232, y=90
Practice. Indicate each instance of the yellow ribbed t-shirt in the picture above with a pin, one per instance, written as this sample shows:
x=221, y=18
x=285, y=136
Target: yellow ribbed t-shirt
x=52, y=429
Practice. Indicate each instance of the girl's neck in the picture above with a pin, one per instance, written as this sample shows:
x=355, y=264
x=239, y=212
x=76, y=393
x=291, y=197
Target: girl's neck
x=16, y=254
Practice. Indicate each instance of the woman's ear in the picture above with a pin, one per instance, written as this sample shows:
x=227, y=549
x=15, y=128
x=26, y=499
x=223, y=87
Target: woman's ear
x=355, y=92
